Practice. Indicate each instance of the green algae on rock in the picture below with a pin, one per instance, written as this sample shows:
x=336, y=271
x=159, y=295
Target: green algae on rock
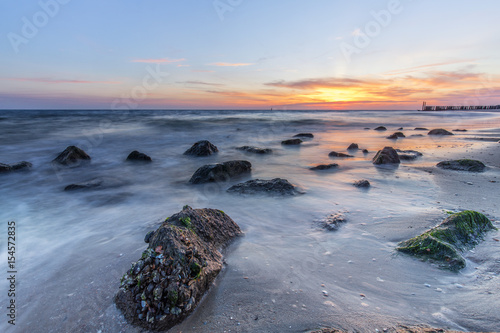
x=444, y=243
x=180, y=264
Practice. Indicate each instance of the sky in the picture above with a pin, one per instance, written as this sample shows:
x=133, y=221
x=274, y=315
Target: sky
x=248, y=54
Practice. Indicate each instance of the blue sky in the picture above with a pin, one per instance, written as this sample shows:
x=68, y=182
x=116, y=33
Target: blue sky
x=248, y=54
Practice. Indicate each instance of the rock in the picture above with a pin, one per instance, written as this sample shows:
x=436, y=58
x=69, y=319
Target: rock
x=255, y=150
x=365, y=151
x=19, y=166
x=72, y=156
x=362, y=183
x=335, y=154
x=202, y=148
x=439, y=131
x=396, y=135
x=353, y=146
x=96, y=183
x=400, y=129
x=366, y=128
x=276, y=186
x=408, y=155
x=324, y=166
x=138, y=157
x=333, y=221
x=380, y=128
x=444, y=243
x=291, y=142
x=386, y=156
x=421, y=129
x=459, y=130
x=414, y=135
x=463, y=165
x=304, y=135
x=220, y=172
x=148, y=236
x=180, y=264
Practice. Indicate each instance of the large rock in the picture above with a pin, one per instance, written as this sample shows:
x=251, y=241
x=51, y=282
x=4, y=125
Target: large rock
x=220, y=172
x=20, y=166
x=408, y=155
x=353, y=146
x=136, y=156
x=444, y=243
x=276, y=186
x=386, y=156
x=255, y=150
x=202, y=148
x=463, y=165
x=439, y=131
x=336, y=154
x=72, y=156
x=291, y=142
x=324, y=166
x=180, y=264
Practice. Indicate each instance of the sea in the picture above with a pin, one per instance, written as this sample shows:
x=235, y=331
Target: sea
x=286, y=273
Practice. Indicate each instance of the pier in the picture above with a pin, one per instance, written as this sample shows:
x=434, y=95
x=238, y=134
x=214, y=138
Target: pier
x=425, y=107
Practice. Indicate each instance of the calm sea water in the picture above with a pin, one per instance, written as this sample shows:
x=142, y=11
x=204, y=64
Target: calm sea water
x=73, y=247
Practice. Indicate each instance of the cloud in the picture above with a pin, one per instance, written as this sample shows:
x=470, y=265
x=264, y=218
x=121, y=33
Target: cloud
x=201, y=83
x=49, y=80
x=307, y=84
x=158, y=61
x=228, y=64
x=417, y=68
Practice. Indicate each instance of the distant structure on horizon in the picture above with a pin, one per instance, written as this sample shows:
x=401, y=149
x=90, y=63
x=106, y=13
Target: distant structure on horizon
x=458, y=107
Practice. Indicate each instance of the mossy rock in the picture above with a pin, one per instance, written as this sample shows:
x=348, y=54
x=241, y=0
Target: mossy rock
x=444, y=243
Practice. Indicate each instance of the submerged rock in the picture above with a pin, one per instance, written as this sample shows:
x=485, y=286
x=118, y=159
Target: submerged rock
x=220, y=172
x=276, y=186
x=336, y=154
x=362, y=183
x=202, y=148
x=324, y=166
x=386, y=156
x=459, y=130
x=380, y=128
x=396, y=135
x=138, y=157
x=19, y=166
x=291, y=142
x=365, y=151
x=180, y=264
x=421, y=129
x=333, y=221
x=353, y=146
x=304, y=135
x=463, y=165
x=72, y=156
x=444, y=243
x=255, y=150
x=439, y=131
x=96, y=183
x=408, y=155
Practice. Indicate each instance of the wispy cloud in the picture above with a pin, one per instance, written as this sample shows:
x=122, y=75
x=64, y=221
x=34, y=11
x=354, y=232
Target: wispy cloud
x=228, y=64
x=306, y=84
x=158, y=61
x=418, y=68
x=201, y=83
x=50, y=80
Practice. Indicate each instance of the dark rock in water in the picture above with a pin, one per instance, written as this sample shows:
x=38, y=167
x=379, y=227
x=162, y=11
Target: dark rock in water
x=324, y=166
x=291, y=142
x=400, y=129
x=19, y=166
x=72, y=156
x=335, y=154
x=365, y=151
x=304, y=135
x=463, y=165
x=421, y=129
x=96, y=183
x=148, y=236
x=255, y=150
x=417, y=135
x=380, y=128
x=386, y=155
x=362, y=183
x=333, y=221
x=459, y=130
x=202, y=148
x=353, y=146
x=180, y=264
x=139, y=157
x=439, y=131
x=444, y=243
x=367, y=128
x=396, y=135
x=408, y=155
x=276, y=186
x=220, y=172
